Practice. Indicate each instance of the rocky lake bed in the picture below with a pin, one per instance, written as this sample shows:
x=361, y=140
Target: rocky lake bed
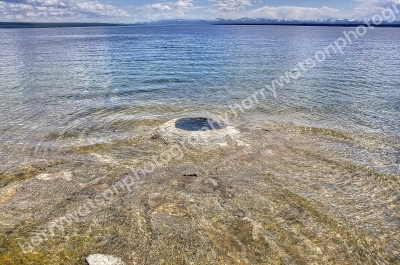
x=262, y=193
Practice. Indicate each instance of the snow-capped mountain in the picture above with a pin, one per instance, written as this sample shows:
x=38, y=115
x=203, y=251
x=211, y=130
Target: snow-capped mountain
x=265, y=21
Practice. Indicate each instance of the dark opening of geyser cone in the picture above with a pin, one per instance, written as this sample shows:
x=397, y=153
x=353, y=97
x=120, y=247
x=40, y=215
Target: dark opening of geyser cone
x=198, y=124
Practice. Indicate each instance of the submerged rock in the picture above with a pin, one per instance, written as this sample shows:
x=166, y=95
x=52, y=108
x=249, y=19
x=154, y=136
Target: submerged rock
x=100, y=259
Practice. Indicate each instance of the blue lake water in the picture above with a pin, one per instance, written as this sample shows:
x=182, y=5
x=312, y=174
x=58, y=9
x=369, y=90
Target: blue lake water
x=86, y=84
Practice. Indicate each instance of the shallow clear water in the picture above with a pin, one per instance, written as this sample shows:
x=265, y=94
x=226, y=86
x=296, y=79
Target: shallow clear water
x=69, y=86
x=312, y=179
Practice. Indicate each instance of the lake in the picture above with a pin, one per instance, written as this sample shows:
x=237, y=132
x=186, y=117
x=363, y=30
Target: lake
x=81, y=101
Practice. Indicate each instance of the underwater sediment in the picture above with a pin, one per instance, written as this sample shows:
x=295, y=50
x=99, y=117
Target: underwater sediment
x=265, y=193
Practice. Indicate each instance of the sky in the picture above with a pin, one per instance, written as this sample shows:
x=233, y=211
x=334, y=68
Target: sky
x=129, y=11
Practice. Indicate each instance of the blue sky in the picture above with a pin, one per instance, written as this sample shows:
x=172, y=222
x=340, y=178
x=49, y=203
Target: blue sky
x=127, y=11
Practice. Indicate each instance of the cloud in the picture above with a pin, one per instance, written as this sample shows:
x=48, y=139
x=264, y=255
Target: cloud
x=97, y=9
x=368, y=8
x=2, y=8
x=166, y=10
x=55, y=10
x=34, y=2
x=230, y=5
x=184, y=4
x=297, y=12
x=19, y=7
x=44, y=2
x=240, y=8
x=279, y=12
x=157, y=7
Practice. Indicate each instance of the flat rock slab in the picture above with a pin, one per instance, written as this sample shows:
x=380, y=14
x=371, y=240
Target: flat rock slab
x=100, y=259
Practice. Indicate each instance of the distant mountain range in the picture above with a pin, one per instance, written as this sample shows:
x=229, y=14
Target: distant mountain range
x=218, y=21
x=265, y=21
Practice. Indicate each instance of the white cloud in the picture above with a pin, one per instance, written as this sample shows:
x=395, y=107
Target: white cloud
x=2, y=8
x=45, y=2
x=98, y=9
x=296, y=12
x=281, y=12
x=40, y=8
x=368, y=8
x=55, y=10
x=166, y=10
x=29, y=14
x=230, y=5
x=62, y=4
x=185, y=4
x=157, y=7
x=19, y=7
